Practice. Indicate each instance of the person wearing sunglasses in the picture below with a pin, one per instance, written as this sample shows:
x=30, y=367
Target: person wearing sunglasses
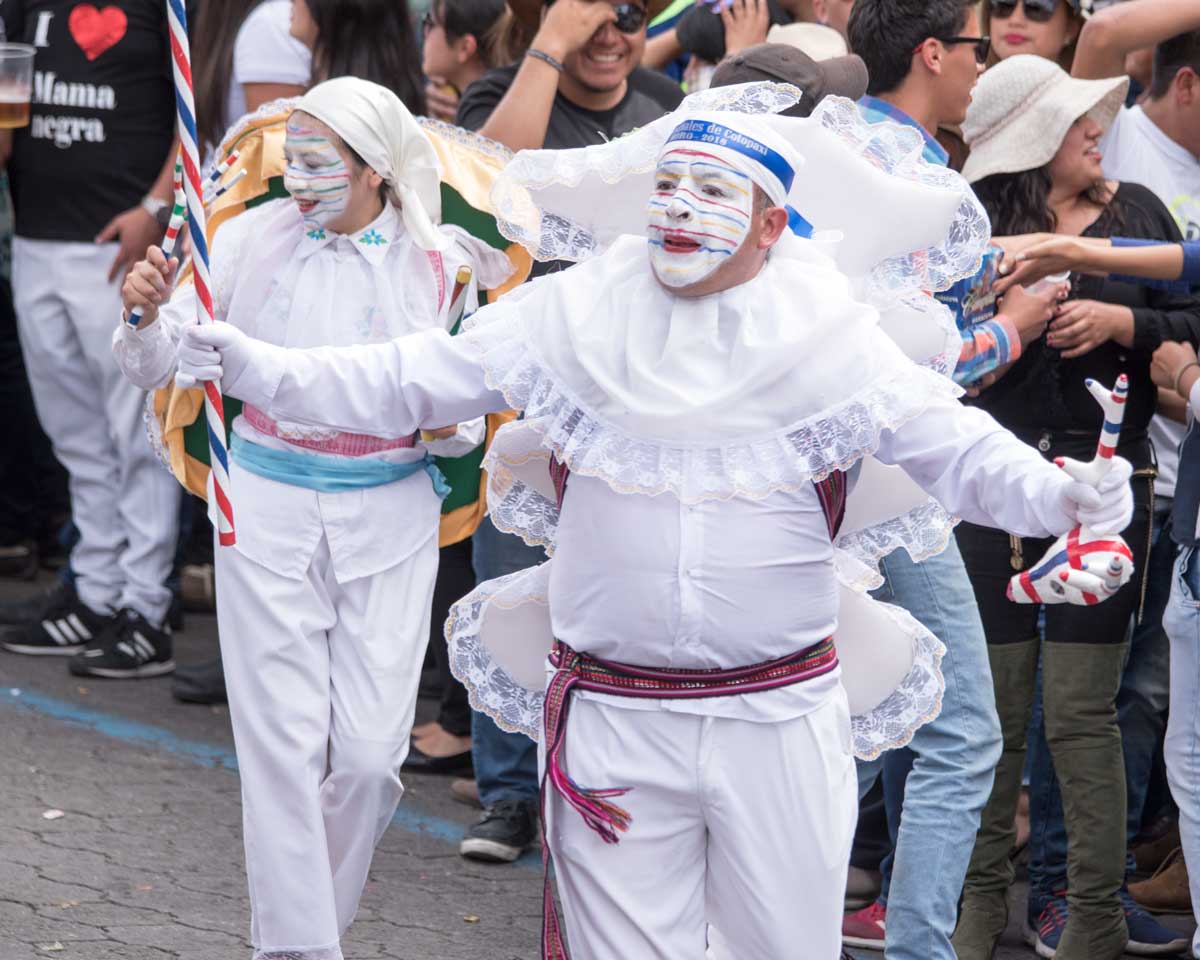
x=579, y=82
x=1044, y=28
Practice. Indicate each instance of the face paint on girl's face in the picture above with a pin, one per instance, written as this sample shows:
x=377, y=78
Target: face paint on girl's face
x=699, y=215
x=316, y=176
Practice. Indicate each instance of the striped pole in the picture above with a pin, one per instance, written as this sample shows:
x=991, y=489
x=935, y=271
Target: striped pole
x=178, y=216
x=185, y=109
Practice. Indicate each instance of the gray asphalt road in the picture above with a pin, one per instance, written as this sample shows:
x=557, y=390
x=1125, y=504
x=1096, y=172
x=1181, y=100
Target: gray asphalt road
x=145, y=861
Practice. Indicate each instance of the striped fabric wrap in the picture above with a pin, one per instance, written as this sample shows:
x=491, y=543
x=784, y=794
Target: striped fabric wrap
x=578, y=671
x=340, y=444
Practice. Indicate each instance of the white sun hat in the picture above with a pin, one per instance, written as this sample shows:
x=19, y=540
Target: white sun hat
x=1022, y=108
x=815, y=39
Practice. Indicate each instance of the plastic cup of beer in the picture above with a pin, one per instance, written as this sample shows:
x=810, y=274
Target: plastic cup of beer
x=16, y=84
x=1047, y=282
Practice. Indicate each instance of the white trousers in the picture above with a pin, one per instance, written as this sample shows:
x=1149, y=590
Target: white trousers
x=322, y=680
x=740, y=835
x=123, y=501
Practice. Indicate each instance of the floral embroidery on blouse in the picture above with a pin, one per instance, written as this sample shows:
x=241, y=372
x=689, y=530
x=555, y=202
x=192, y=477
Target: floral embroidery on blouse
x=373, y=238
x=316, y=233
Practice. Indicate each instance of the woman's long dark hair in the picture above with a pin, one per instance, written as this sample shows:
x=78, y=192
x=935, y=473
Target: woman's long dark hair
x=370, y=39
x=475, y=18
x=1018, y=203
x=217, y=27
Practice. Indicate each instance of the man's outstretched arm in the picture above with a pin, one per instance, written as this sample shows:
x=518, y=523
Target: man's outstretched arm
x=424, y=380
x=981, y=472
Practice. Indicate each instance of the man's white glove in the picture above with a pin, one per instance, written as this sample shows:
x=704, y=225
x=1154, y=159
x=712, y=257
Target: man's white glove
x=211, y=351
x=1105, y=508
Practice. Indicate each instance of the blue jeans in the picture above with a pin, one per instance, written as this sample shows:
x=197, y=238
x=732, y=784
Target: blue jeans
x=1141, y=715
x=1182, y=624
x=505, y=763
x=953, y=760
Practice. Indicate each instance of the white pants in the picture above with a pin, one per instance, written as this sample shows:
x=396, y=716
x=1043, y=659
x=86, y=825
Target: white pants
x=322, y=680
x=742, y=826
x=123, y=501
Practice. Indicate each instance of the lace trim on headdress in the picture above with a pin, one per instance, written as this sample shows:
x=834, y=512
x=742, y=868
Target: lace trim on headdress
x=786, y=460
x=898, y=149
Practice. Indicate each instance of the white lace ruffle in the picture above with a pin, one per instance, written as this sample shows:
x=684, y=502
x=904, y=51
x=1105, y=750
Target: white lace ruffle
x=154, y=433
x=240, y=126
x=916, y=701
x=465, y=138
x=313, y=953
x=898, y=149
x=490, y=688
x=520, y=508
x=517, y=707
x=785, y=460
x=924, y=532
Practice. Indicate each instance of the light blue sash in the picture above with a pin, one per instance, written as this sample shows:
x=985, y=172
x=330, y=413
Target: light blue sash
x=329, y=474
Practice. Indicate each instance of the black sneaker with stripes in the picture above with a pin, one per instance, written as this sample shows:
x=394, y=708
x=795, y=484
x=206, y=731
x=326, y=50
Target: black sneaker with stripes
x=132, y=648
x=64, y=626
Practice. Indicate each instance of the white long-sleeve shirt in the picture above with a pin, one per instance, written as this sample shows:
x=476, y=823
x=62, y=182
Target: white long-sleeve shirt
x=654, y=581
x=293, y=287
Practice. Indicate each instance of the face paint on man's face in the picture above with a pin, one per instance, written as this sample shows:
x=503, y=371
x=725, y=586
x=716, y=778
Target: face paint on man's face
x=316, y=176
x=699, y=215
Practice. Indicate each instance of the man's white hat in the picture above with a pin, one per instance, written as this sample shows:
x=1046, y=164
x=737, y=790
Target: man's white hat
x=1022, y=108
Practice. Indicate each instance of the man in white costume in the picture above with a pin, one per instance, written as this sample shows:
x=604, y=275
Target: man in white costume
x=324, y=602
x=697, y=389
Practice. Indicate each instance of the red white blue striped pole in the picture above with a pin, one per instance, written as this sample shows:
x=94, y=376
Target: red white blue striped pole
x=185, y=110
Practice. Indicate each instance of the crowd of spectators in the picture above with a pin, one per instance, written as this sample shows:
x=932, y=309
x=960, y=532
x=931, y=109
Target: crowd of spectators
x=1070, y=119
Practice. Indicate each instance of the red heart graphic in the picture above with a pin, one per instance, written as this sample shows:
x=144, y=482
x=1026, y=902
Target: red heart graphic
x=96, y=30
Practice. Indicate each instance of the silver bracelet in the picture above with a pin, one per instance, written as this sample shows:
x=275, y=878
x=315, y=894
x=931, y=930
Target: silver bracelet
x=545, y=58
x=1179, y=374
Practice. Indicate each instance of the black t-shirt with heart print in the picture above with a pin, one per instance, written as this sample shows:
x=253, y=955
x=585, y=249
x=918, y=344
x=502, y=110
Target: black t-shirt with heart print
x=103, y=113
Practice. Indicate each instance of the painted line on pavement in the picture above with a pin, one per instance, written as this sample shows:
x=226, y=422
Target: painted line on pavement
x=205, y=754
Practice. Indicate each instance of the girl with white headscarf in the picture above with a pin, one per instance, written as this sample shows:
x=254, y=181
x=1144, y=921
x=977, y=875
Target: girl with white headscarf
x=325, y=600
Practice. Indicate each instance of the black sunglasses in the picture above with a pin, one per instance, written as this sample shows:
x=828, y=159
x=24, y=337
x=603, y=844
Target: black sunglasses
x=630, y=17
x=983, y=45
x=1038, y=11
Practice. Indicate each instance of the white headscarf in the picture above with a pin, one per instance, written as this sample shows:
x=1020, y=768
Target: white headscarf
x=377, y=126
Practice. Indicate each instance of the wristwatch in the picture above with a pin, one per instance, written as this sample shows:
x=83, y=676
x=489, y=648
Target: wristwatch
x=154, y=206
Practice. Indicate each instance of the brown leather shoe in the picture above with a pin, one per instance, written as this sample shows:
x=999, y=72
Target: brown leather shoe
x=1154, y=845
x=1167, y=891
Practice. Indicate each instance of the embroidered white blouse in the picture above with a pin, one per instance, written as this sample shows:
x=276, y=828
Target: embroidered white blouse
x=295, y=287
